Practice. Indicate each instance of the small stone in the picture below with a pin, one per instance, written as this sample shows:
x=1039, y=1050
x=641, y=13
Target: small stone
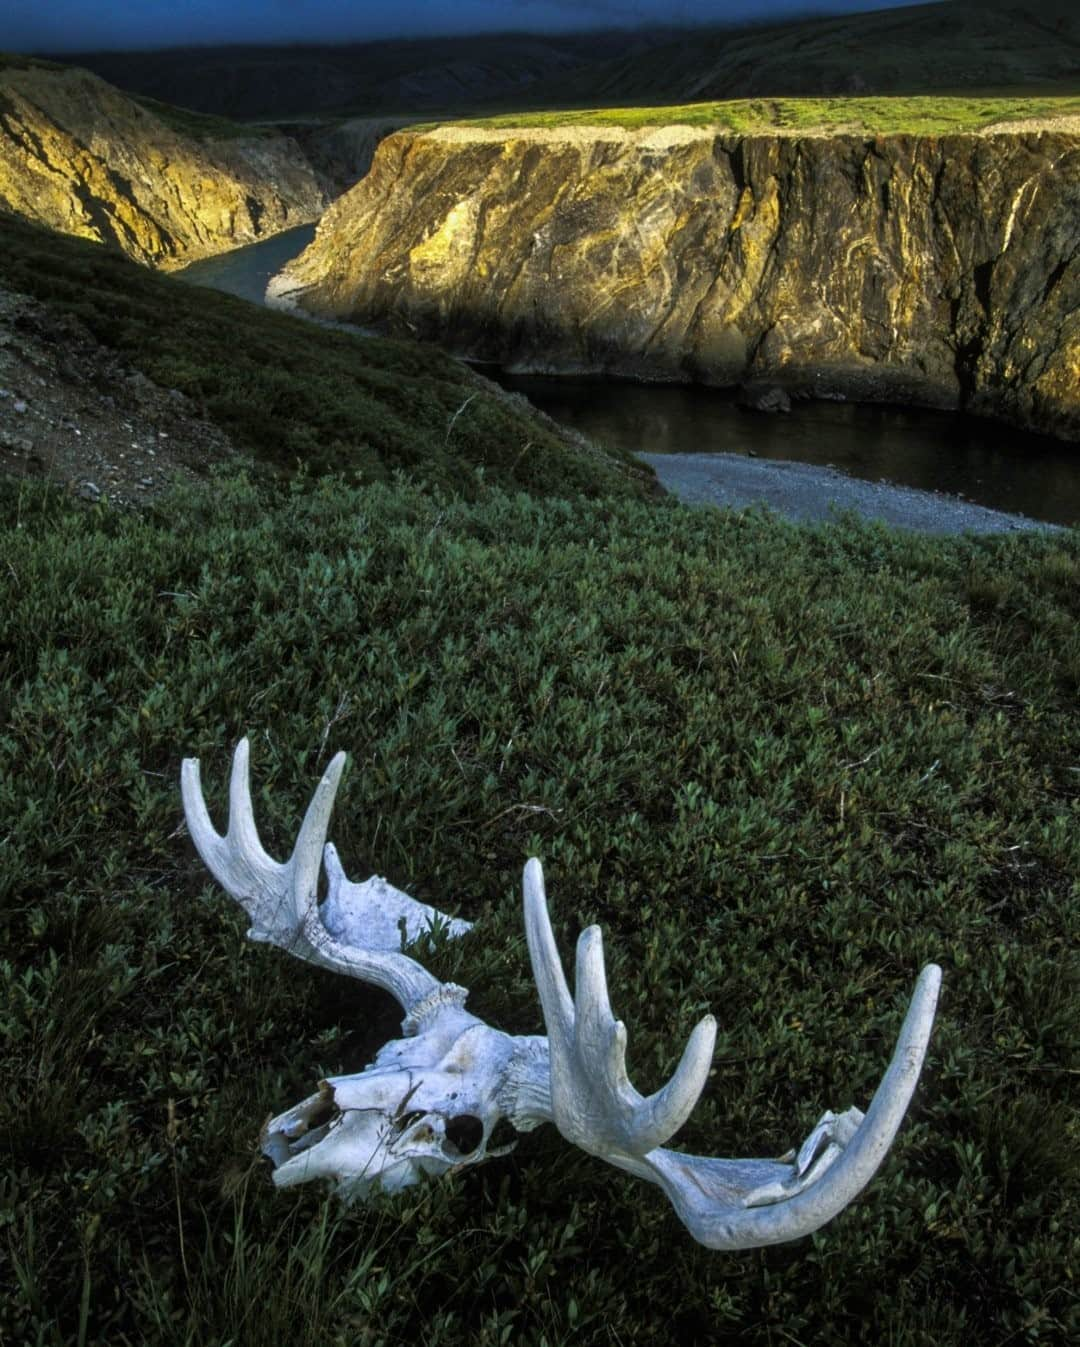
x=146, y=481
x=87, y=490
x=19, y=406
x=140, y=386
x=765, y=398
x=21, y=444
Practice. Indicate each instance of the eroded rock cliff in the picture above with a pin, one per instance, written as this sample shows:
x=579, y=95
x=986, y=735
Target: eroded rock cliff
x=943, y=271
x=78, y=156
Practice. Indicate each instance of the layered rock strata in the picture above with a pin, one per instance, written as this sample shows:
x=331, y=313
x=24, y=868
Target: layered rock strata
x=936, y=270
x=80, y=157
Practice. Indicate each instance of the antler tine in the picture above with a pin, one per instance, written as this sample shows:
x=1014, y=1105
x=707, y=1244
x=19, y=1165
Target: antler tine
x=595, y=1105
x=278, y=898
x=306, y=859
x=237, y=859
x=555, y=1000
x=693, y=1184
x=282, y=901
x=659, y=1116
x=725, y=1204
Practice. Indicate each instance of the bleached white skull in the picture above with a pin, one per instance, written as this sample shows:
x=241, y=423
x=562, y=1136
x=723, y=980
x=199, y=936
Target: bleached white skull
x=426, y=1105
x=430, y=1101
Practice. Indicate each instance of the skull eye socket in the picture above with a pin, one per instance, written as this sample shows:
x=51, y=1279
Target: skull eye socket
x=466, y=1132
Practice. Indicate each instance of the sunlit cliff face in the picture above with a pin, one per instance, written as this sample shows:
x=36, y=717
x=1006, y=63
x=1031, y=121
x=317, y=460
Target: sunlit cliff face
x=939, y=271
x=80, y=157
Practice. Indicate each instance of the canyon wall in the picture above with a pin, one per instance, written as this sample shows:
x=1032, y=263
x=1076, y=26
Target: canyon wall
x=936, y=270
x=78, y=156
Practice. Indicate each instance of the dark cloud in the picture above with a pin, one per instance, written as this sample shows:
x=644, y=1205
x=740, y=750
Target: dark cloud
x=82, y=25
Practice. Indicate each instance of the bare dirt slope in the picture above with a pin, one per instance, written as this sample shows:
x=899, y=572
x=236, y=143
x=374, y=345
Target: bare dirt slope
x=72, y=412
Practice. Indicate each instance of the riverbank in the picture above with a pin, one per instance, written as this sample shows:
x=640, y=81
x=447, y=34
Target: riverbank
x=915, y=468
x=796, y=490
x=810, y=494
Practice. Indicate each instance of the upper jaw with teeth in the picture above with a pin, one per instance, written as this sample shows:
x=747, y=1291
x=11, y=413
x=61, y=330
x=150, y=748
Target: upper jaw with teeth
x=431, y=1100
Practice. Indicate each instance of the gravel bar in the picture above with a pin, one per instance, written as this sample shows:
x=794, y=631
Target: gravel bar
x=810, y=494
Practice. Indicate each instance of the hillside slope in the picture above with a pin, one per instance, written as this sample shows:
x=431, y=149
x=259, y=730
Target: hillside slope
x=285, y=393
x=78, y=156
x=402, y=76
x=936, y=270
x=951, y=46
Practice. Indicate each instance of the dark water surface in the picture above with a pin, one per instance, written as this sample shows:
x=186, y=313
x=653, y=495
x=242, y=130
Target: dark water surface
x=982, y=461
x=246, y=271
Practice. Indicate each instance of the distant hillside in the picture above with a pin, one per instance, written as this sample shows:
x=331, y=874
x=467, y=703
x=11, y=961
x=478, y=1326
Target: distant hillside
x=958, y=45
x=987, y=46
x=161, y=185
x=404, y=76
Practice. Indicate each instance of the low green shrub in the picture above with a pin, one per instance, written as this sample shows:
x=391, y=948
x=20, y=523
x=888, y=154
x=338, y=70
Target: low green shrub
x=782, y=766
x=293, y=394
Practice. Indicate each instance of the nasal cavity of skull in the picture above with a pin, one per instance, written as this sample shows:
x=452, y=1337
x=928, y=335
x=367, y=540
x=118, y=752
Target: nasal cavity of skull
x=307, y=1130
x=323, y=1112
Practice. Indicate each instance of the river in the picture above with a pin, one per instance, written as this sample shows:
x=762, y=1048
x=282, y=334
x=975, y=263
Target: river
x=981, y=461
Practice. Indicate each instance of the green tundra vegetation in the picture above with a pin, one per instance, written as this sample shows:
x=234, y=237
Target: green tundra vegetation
x=13, y=60
x=202, y=125
x=914, y=114
x=782, y=766
x=291, y=393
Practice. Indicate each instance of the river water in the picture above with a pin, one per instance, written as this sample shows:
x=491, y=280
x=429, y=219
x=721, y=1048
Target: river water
x=982, y=461
x=246, y=271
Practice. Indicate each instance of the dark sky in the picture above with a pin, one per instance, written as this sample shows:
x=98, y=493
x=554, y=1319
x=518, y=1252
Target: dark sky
x=85, y=25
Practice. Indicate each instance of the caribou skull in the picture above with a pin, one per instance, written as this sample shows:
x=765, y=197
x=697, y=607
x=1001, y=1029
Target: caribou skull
x=429, y=1102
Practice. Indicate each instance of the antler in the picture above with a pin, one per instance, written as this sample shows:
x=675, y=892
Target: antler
x=357, y=931
x=461, y=1074
x=725, y=1204
x=594, y=1103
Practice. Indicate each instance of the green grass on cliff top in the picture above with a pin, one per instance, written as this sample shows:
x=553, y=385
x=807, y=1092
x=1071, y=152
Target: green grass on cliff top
x=13, y=60
x=932, y=114
x=202, y=125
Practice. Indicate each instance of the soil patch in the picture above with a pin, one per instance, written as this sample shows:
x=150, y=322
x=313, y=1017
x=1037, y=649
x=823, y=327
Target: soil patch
x=72, y=411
